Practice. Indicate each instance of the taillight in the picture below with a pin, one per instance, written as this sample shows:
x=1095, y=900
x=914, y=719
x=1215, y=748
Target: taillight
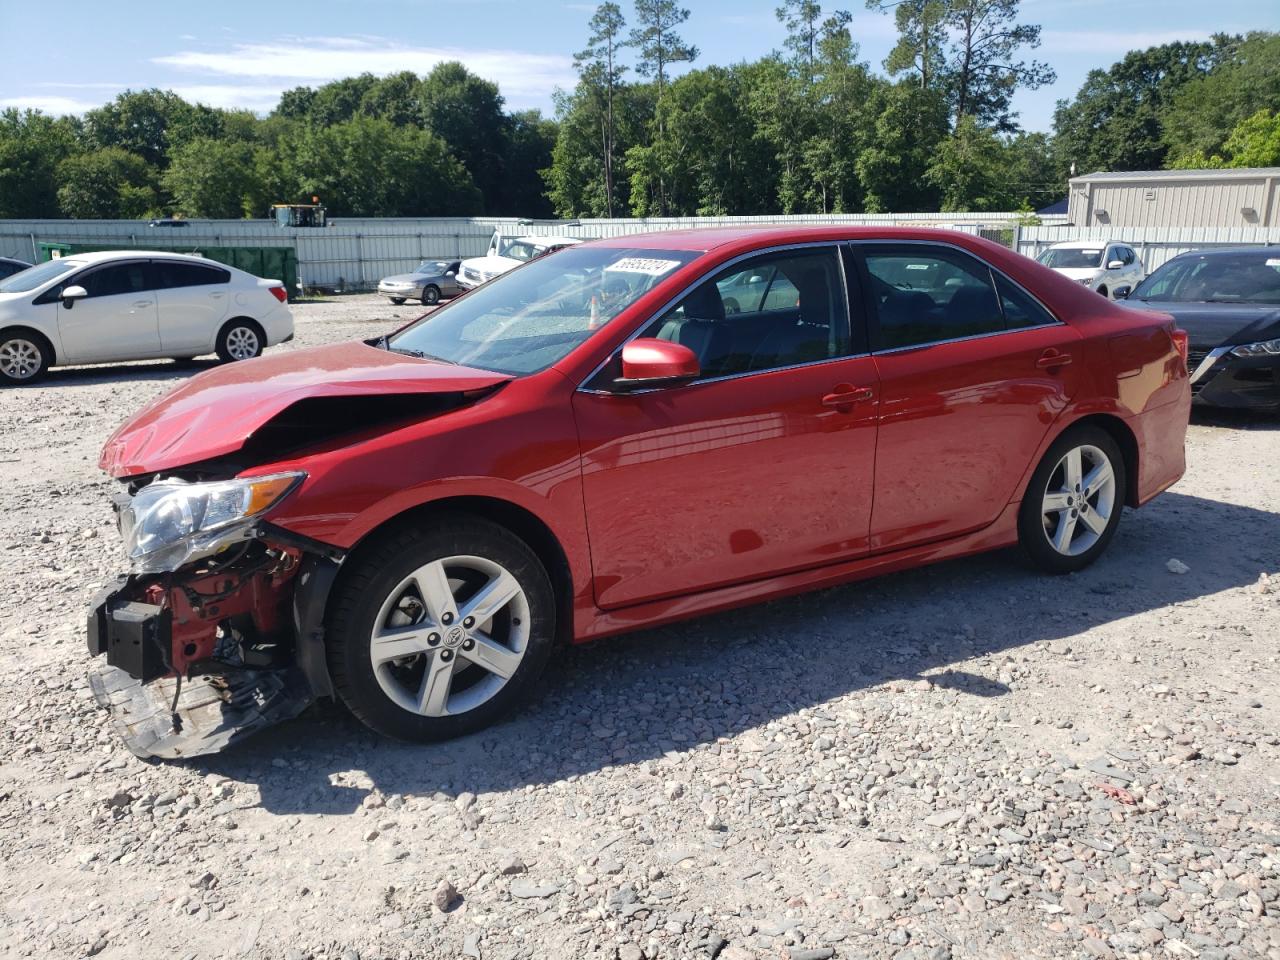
x=1180, y=343
x=282, y=295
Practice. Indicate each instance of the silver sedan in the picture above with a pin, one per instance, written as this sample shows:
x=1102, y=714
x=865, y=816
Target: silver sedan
x=433, y=281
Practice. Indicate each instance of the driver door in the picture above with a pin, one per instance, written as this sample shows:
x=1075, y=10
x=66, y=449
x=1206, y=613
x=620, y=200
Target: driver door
x=118, y=320
x=762, y=466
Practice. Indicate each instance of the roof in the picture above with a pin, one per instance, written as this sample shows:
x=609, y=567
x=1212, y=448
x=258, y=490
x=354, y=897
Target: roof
x=131, y=254
x=1233, y=252
x=1089, y=242
x=1230, y=173
x=705, y=239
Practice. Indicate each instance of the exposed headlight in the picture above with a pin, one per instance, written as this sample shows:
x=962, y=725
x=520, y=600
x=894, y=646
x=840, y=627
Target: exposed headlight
x=1263, y=348
x=169, y=523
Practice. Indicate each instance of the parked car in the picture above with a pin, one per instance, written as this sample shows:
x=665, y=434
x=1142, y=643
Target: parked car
x=9, y=266
x=1111, y=268
x=1228, y=301
x=507, y=253
x=404, y=523
x=433, y=281
x=134, y=305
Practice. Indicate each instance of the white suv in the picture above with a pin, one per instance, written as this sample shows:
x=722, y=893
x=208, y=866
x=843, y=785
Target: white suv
x=1110, y=268
x=134, y=305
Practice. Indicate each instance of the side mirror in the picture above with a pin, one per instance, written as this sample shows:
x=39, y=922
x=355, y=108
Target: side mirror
x=1121, y=293
x=649, y=363
x=1114, y=264
x=71, y=294
x=451, y=273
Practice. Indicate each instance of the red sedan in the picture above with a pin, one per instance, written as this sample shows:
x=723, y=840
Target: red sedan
x=623, y=434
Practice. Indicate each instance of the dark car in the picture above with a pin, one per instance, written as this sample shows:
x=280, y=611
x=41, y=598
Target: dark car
x=1228, y=301
x=9, y=266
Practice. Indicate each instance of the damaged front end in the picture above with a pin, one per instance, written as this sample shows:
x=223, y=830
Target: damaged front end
x=216, y=632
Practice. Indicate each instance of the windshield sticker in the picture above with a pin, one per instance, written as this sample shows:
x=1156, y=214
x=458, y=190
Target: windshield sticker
x=652, y=268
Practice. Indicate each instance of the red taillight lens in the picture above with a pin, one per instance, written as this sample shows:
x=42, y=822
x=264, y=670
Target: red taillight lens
x=282, y=295
x=1180, y=343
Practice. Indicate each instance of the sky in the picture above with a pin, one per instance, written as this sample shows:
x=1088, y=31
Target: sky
x=238, y=53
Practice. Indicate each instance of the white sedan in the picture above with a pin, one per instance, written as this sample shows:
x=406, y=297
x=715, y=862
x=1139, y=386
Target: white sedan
x=134, y=305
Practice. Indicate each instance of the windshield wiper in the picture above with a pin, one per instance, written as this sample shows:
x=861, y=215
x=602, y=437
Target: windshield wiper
x=420, y=355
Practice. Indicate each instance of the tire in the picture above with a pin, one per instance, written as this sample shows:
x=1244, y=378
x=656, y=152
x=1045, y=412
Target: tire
x=240, y=339
x=396, y=300
x=430, y=295
x=25, y=356
x=1055, y=532
x=381, y=592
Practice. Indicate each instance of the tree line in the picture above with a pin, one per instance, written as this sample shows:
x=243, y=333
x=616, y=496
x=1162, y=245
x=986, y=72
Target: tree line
x=811, y=128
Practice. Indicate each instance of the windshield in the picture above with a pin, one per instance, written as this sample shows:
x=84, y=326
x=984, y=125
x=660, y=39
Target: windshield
x=33, y=277
x=1070, y=258
x=432, y=267
x=530, y=318
x=520, y=250
x=1233, y=278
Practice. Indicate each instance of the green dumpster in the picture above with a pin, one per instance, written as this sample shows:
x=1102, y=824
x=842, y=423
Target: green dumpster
x=53, y=251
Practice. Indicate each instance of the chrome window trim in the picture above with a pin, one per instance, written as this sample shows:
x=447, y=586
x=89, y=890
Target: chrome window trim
x=1210, y=358
x=834, y=246
x=1057, y=321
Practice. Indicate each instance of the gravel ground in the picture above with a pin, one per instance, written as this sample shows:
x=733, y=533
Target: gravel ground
x=966, y=761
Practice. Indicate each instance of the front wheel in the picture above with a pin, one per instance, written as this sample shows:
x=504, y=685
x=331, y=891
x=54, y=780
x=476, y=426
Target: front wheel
x=440, y=630
x=24, y=357
x=240, y=340
x=430, y=295
x=396, y=300
x=1072, y=506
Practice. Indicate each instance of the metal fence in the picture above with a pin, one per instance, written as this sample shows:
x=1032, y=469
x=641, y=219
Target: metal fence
x=354, y=253
x=1155, y=245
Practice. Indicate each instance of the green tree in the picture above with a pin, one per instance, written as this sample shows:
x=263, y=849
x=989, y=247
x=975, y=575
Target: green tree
x=983, y=69
x=1255, y=142
x=31, y=147
x=1115, y=120
x=922, y=33
x=212, y=178
x=148, y=122
x=656, y=41
x=969, y=170
x=599, y=71
x=397, y=97
x=108, y=183
x=340, y=100
x=369, y=167
x=466, y=112
x=911, y=122
x=532, y=139
x=575, y=184
x=803, y=20
x=1206, y=109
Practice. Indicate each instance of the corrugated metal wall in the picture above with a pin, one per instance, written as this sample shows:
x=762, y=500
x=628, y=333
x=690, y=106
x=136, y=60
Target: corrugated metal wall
x=1155, y=245
x=357, y=252
x=1169, y=202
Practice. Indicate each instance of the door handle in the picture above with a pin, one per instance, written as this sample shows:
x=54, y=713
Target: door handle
x=1051, y=360
x=216, y=296
x=143, y=303
x=846, y=395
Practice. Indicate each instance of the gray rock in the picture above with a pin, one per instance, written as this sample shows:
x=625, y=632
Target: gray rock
x=526, y=889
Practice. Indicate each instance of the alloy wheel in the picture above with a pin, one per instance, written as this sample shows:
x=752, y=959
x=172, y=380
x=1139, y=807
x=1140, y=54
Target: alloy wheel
x=1079, y=500
x=19, y=359
x=450, y=635
x=242, y=343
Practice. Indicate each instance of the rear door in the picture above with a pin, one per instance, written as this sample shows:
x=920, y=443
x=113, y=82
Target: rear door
x=193, y=299
x=973, y=371
x=118, y=318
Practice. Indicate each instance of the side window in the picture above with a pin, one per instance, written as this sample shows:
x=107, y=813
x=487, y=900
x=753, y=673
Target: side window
x=925, y=294
x=116, y=279
x=175, y=273
x=1020, y=308
x=807, y=321
x=1129, y=256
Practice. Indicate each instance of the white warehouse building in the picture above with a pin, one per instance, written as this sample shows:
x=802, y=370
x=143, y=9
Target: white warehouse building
x=1246, y=197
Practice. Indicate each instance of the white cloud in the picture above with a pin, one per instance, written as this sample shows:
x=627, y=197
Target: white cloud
x=52, y=104
x=230, y=96
x=525, y=79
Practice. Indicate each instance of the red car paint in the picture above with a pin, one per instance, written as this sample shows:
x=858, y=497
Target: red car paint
x=715, y=494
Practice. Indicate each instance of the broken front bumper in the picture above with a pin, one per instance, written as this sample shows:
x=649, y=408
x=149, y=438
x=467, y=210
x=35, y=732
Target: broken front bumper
x=195, y=660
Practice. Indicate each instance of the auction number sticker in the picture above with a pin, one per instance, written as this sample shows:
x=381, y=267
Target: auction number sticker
x=652, y=268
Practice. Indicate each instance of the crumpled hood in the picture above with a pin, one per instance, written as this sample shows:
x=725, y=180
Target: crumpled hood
x=214, y=413
x=1209, y=325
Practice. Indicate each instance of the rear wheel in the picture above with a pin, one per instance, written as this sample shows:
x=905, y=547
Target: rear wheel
x=240, y=339
x=440, y=630
x=1072, y=506
x=430, y=295
x=24, y=356
x=396, y=300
